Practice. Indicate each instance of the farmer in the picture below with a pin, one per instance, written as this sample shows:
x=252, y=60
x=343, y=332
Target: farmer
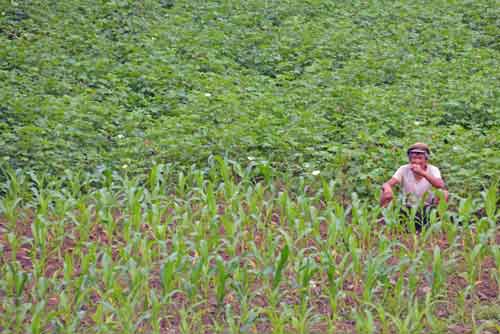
x=417, y=180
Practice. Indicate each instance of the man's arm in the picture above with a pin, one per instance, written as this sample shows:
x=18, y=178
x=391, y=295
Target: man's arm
x=387, y=193
x=389, y=184
x=435, y=181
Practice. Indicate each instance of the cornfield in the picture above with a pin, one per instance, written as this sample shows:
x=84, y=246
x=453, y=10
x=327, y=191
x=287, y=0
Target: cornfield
x=233, y=249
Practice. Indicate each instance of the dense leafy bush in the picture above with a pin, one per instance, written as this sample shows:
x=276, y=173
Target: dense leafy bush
x=338, y=87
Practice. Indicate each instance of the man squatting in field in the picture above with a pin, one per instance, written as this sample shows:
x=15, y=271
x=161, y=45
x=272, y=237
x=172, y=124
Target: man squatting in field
x=417, y=180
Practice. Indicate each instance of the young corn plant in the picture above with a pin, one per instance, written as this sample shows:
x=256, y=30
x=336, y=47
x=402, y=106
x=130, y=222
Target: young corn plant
x=280, y=266
x=9, y=209
x=302, y=317
x=491, y=204
x=241, y=286
x=451, y=230
x=438, y=274
x=17, y=186
x=193, y=286
x=306, y=270
x=365, y=322
x=411, y=322
x=473, y=261
x=155, y=305
x=383, y=318
x=279, y=318
x=233, y=325
x=15, y=282
x=336, y=275
x=39, y=231
x=495, y=251
x=374, y=270
x=221, y=279
x=168, y=275
x=465, y=210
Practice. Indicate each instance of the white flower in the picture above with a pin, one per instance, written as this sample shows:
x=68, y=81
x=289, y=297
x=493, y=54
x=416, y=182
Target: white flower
x=120, y=136
x=208, y=94
x=417, y=123
x=251, y=158
x=125, y=166
x=315, y=172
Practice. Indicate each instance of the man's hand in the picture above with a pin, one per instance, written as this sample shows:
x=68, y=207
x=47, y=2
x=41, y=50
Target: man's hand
x=386, y=196
x=446, y=195
x=435, y=181
x=417, y=169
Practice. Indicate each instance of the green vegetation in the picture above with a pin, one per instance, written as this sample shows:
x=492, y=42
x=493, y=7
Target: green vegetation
x=341, y=87
x=213, y=255
x=213, y=166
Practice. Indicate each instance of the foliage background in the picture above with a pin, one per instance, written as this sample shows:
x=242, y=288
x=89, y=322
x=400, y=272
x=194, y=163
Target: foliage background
x=176, y=166
x=342, y=87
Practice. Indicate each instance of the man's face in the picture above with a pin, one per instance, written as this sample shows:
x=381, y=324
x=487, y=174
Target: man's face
x=418, y=158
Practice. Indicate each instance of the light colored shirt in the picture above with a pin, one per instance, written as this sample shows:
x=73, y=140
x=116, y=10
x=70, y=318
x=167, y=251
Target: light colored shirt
x=416, y=190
